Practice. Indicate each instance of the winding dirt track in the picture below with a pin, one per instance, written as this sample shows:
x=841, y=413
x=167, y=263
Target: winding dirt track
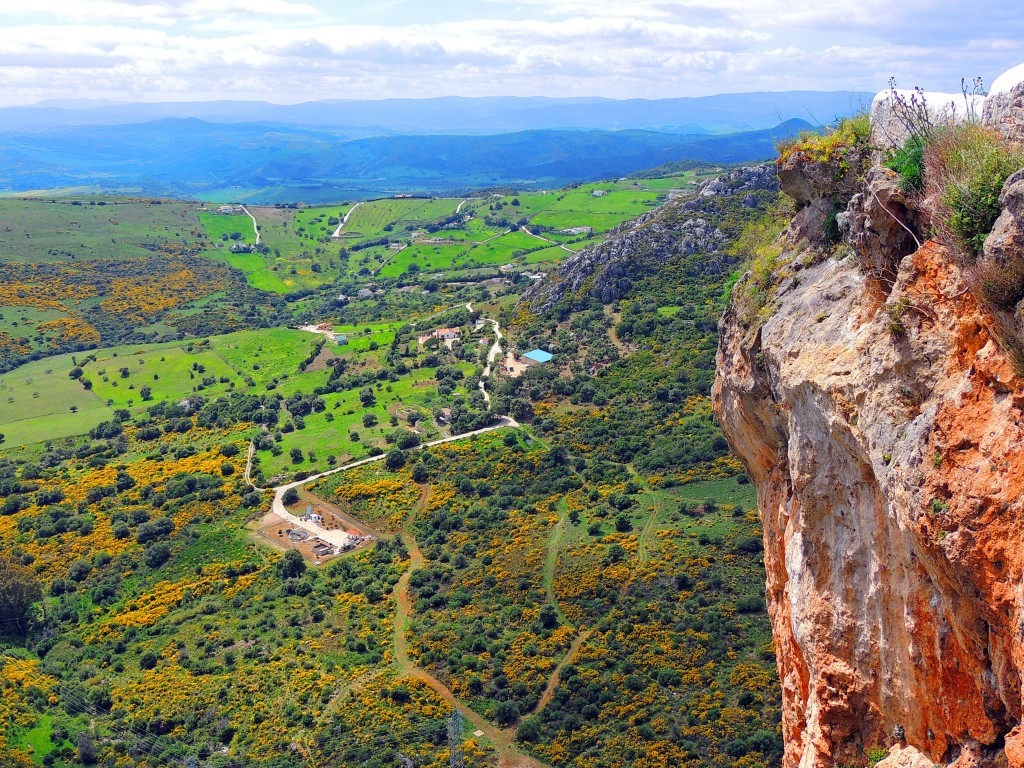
x=509, y=755
x=556, y=676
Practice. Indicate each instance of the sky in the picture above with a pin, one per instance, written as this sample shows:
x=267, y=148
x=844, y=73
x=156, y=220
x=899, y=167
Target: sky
x=288, y=51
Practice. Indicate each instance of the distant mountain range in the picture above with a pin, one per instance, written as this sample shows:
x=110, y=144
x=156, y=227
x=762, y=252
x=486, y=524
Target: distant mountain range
x=331, y=150
x=272, y=163
x=707, y=114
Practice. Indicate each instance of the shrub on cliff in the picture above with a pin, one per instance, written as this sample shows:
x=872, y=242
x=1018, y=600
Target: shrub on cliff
x=966, y=168
x=908, y=162
x=832, y=145
x=759, y=245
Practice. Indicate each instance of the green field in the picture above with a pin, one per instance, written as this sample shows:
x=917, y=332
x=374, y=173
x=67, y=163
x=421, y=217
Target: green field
x=302, y=253
x=222, y=227
x=37, y=401
x=44, y=403
x=360, y=337
x=372, y=218
x=276, y=352
x=38, y=231
x=38, y=398
x=267, y=358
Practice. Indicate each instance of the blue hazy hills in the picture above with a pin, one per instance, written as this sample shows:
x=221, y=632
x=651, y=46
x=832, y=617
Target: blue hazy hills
x=332, y=149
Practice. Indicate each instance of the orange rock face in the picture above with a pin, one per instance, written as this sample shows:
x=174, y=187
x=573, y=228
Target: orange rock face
x=887, y=446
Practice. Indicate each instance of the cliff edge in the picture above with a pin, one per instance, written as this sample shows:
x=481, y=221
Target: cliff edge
x=871, y=387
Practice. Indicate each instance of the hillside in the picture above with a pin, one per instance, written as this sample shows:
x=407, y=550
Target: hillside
x=724, y=113
x=86, y=272
x=274, y=163
x=581, y=579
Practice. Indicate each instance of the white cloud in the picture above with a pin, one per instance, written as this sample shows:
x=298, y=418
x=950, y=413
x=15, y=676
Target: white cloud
x=293, y=50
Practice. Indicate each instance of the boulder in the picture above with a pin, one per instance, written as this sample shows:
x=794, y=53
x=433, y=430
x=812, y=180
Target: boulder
x=905, y=757
x=1002, y=264
x=1004, y=107
x=877, y=224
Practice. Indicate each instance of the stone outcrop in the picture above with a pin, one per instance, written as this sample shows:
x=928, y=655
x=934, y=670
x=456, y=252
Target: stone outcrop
x=606, y=270
x=1004, y=107
x=1003, y=257
x=878, y=224
x=882, y=421
x=821, y=187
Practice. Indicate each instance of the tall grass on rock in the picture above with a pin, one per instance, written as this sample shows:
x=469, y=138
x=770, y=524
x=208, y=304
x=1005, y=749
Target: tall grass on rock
x=965, y=170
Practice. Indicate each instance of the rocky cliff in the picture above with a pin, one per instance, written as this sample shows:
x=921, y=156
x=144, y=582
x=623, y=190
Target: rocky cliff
x=641, y=246
x=875, y=404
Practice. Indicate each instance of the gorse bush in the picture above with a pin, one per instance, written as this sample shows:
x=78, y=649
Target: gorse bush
x=966, y=167
x=830, y=145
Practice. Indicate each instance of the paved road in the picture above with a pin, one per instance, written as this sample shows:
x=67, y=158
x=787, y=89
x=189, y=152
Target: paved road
x=337, y=537
x=344, y=220
x=278, y=505
x=255, y=227
x=553, y=242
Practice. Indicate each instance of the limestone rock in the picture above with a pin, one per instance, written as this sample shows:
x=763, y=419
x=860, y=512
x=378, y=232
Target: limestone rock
x=890, y=476
x=606, y=270
x=878, y=224
x=1005, y=243
x=821, y=187
x=1001, y=266
x=1004, y=107
x=904, y=757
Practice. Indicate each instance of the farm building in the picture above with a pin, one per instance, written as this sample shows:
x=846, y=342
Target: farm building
x=537, y=357
x=341, y=340
x=323, y=550
x=578, y=231
x=446, y=334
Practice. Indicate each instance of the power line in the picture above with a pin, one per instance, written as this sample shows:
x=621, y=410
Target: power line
x=455, y=759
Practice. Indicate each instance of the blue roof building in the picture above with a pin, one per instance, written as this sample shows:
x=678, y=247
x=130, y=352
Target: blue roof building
x=539, y=356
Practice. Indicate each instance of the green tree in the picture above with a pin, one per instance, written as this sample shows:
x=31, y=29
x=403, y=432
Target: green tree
x=86, y=748
x=548, y=616
x=157, y=555
x=395, y=459
x=293, y=564
x=19, y=589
